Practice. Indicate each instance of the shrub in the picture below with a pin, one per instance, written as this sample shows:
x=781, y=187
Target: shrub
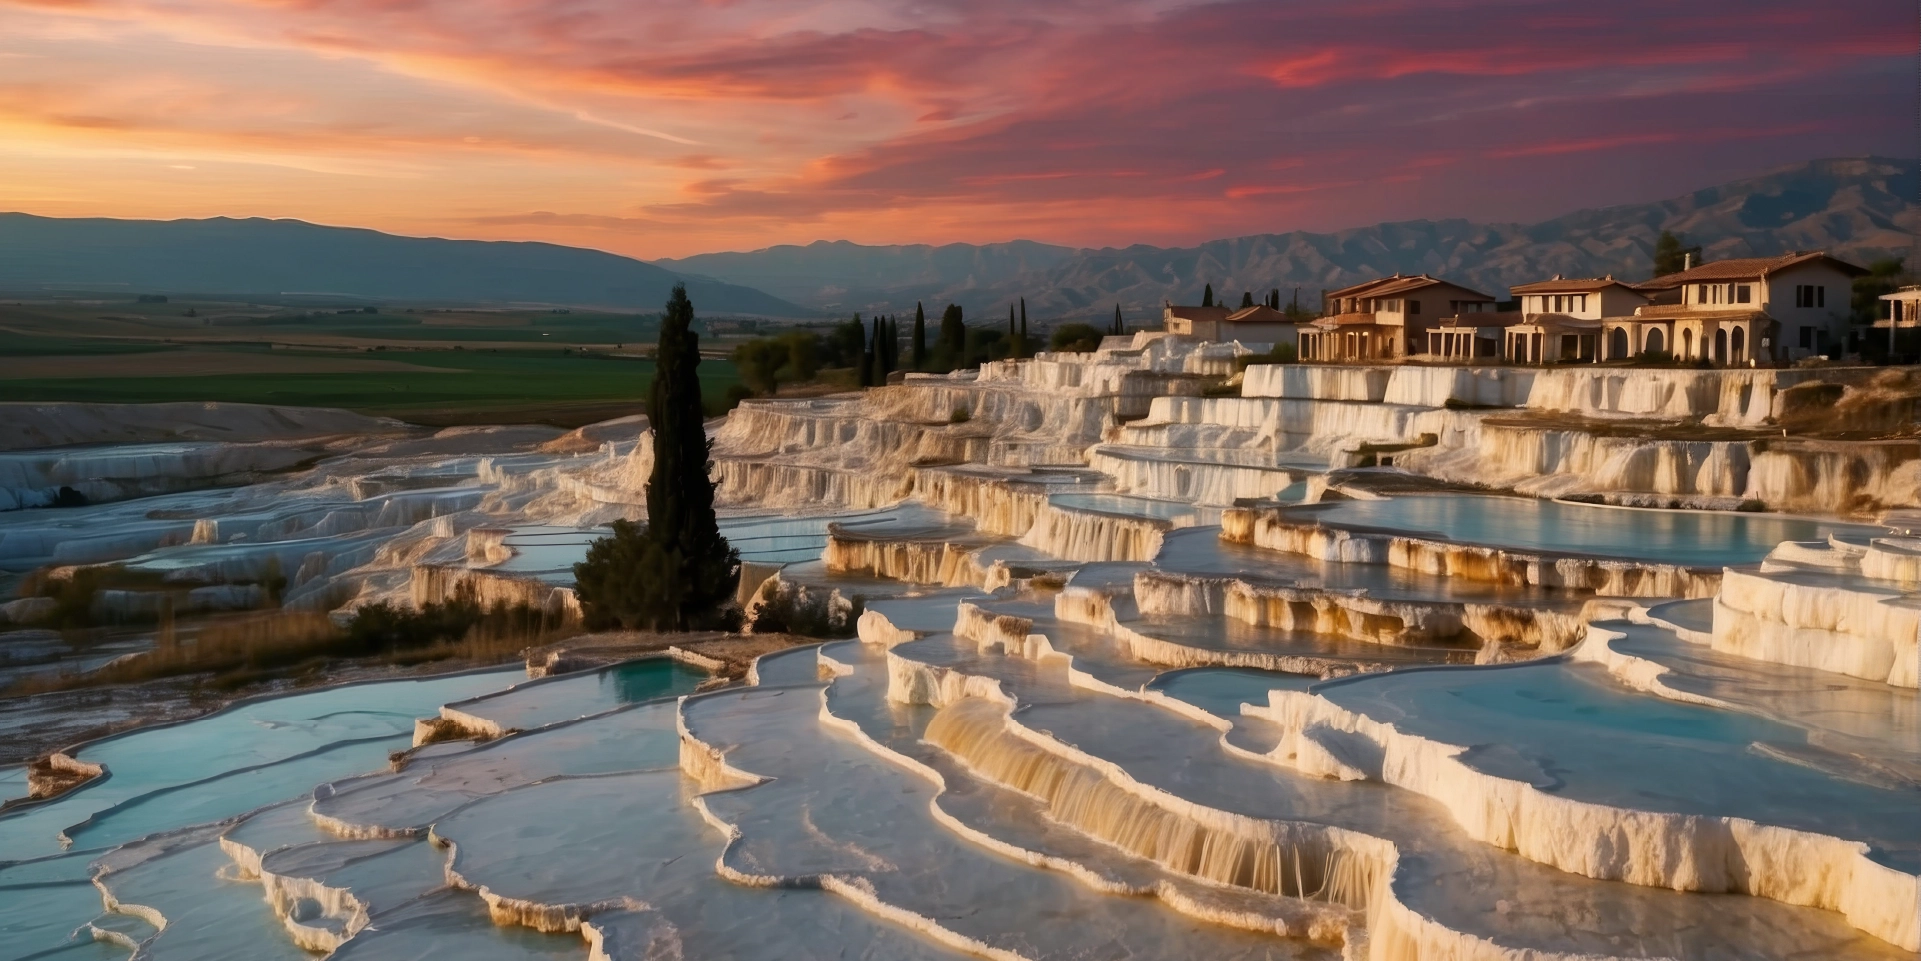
x=808, y=613
x=1278, y=354
x=1074, y=339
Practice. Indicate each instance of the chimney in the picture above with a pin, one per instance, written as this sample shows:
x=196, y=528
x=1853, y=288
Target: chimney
x=1687, y=261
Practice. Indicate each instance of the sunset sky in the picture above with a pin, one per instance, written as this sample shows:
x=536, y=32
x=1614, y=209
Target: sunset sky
x=666, y=128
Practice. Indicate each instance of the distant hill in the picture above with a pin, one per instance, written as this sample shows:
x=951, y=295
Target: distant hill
x=1860, y=209
x=834, y=274
x=274, y=257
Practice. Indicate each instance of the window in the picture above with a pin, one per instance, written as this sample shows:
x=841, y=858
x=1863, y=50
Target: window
x=1701, y=293
x=1583, y=302
x=1820, y=296
x=1810, y=295
x=1807, y=337
x=1413, y=306
x=1742, y=292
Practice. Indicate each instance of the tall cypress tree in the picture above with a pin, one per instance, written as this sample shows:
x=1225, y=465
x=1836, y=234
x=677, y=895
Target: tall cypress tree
x=1027, y=346
x=1013, y=334
x=1207, y=296
x=1025, y=350
x=679, y=573
x=920, y=337
x=867, y=364
x=952, y=347
x=1120, y=326
x=700, y=566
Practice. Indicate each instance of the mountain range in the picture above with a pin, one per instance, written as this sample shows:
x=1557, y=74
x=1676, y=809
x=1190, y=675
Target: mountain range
x=274, y=258
x=1860, y=209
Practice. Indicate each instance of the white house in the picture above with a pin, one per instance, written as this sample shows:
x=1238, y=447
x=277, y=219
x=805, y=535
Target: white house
x=1259, y=324
x=1385, y=319
x=1561, y=319
x=1731, y=311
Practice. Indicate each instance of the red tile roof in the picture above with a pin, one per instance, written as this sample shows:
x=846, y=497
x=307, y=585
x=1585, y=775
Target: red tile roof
x=1745, y=268
x=1578, y=285
x=1389, y=286
x=1257, y=314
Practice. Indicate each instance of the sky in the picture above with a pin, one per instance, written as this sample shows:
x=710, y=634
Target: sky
x=658, y=128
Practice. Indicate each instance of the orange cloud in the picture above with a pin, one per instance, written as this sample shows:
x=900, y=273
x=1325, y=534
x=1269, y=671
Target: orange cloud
x=665, y=128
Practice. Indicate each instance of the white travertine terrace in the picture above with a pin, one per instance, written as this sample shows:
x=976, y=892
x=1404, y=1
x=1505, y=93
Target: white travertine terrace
x=1142, y=672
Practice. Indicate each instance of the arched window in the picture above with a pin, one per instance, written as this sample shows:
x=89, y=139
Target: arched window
x=1687, y=344
x=1721, y=346
x=1656, y=342
x=1739, y=336
x=1618, y=344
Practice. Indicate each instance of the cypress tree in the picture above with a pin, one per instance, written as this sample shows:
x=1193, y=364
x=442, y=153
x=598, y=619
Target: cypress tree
x=952, y=348
x=1207, y=296
x=1013, y=334
x=869, y=359
x=680, y=572
x=1120, y=327
x=1247, y=299
x=920, y=337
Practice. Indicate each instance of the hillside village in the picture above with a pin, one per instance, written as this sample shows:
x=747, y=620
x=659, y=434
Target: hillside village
x=1744, y=312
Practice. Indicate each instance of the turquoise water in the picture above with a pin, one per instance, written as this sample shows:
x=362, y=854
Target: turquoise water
x=1221, y=691
x=1569, y=729
x=1182, y=514
x=551, y=552
x=570, y=696
x=250, y=744
x=216, y=767
x=1687, y=538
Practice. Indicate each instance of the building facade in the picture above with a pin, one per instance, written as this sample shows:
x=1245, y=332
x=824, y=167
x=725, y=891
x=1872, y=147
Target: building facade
x=1750, y=309
x=1561, y=320
x=1386, y=319
x=1259, y=324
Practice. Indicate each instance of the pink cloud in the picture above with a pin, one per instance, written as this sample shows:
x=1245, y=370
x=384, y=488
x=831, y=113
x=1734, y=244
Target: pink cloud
x=1083, y=123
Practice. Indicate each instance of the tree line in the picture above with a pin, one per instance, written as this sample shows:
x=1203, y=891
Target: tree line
x=865, y=353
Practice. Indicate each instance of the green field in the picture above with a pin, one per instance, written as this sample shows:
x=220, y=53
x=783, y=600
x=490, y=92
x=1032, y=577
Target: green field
x=464, y=368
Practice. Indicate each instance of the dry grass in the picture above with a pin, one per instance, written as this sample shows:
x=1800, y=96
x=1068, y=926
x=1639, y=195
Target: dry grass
x=233, y=652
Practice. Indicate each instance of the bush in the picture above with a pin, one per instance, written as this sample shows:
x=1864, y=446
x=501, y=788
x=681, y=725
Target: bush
x=620, y=586
x=382, y=628
x=732, y=398
x=984, y=344
x=1278, y=354
x=1074, y=339
x=808, y=613
x=759, y=362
